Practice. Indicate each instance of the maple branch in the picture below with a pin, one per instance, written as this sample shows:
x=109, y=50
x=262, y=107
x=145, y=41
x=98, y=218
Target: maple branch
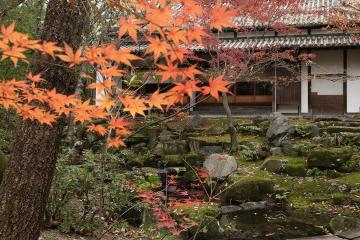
x=167, y=118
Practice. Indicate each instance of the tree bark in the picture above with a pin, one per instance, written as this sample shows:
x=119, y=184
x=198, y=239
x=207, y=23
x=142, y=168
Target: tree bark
x=27, y=180
x=230, y=123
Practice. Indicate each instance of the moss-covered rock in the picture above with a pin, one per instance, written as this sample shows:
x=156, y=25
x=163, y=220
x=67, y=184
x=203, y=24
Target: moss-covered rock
x=274, y=165
x=195, y=159
x=295, y=169
x=352, y=165
x=249, y=189
x=174, y=160
x=329, y=158
x=175, y=147
x=288, y=165
x=340, y=129
x=2, y=165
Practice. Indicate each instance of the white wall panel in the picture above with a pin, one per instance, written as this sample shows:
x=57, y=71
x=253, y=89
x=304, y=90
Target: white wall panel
x=304, y=89
x=353, y=84
x=327, y=62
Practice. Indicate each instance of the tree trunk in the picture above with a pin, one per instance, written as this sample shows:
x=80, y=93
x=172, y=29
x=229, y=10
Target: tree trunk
x=27, y=180
x=230, y=123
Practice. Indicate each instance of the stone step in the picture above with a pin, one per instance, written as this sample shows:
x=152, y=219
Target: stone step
x=325, y=237
x=338, y=123
x=351, y=234
x=340, y=129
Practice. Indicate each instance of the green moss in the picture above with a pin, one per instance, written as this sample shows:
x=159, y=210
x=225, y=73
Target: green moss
x=194, y=159
x=339, y=198
x=241, y=139
x=249, y=189
x=295, y=170
x=296, y=166
x=352, y=180
x=174, y=160
x=329, y=158
x=300, y=122
x=339, y=129
x=357, y=116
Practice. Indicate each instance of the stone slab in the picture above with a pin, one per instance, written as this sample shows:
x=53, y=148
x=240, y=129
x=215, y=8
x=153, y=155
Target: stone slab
x=325, y=237
x=351, y=234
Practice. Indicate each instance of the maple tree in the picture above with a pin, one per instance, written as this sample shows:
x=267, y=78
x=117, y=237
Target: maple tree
x=43, y=103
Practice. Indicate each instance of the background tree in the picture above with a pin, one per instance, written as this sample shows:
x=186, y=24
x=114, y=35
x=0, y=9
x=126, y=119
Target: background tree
x=27, y=180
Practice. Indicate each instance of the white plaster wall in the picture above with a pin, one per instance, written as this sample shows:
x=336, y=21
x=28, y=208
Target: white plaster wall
x=304, y=89
x=353, y=84
x=99, y=95
x=327, y=62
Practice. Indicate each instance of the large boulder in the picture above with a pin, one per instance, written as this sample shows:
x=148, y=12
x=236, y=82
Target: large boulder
x=329, y=158
x=279, y=127
x=220, y=166
x=249, y=189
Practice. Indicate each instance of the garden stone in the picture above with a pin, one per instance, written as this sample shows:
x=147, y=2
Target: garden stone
x=220, y=166
x=159, y=149
x=152, y=133
x=252, y=206
x=249, y=189
x=315, y=130
x=195, y=121
x=329, y=158
x=230, y=209
x=289, y=149
x=274, y=165
x=346, y=227
x=279, y=127
x=275, y=151
x=176, y=147
x=208, y=150
x=165, y=136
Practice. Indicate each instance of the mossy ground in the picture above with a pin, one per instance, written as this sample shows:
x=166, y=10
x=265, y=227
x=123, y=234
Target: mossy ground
x=314, y=194
x=225, y=138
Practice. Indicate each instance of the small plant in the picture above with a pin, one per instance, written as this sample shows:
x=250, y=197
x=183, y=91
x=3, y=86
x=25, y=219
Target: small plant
x=315, y=172
x=248, y=153
x=303, y=131
x=252, y=130
x=302, y=149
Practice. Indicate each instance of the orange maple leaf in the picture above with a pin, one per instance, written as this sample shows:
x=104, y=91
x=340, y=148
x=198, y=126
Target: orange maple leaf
x=74, y=58
x=115, y=142
x=35, y=78
x=157, y=99
x=50, y=48
x=216, y=85
x=119, y=123
x=169, y=71
x=134, y=105
x=8, y=33
x=99, y=129
x=157, y=47
x=221, y=17
x=106, y=102
x=129, y=25
x=191, y=72
x=188, y=88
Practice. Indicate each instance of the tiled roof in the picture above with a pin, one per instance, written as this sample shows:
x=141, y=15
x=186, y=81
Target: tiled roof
x=313, y=13
x=304, y=41
x=313, y=41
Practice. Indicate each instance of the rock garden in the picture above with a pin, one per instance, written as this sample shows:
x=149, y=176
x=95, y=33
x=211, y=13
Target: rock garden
x=286, y=179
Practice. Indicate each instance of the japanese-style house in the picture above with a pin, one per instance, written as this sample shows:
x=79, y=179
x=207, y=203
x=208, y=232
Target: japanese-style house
x=331, y=85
